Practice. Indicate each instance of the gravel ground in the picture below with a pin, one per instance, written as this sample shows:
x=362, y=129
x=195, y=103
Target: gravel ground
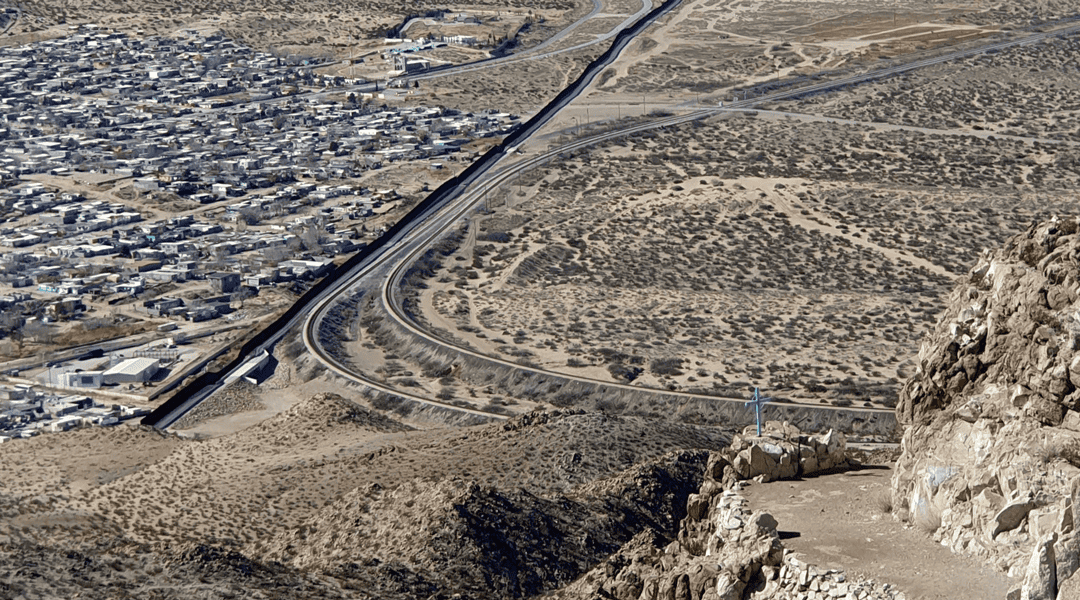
x=836, y=521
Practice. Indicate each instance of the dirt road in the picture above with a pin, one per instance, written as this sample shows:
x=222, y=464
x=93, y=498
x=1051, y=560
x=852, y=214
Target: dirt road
x=835, y=522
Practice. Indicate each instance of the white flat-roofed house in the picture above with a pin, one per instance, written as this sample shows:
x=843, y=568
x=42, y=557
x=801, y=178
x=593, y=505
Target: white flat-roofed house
x=64, y=423
x=82, y=379
x=146, y=184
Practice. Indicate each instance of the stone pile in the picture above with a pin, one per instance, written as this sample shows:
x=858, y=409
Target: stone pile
x=797, y=580
x=783, y=452
x=725, y=551
x=990, y=456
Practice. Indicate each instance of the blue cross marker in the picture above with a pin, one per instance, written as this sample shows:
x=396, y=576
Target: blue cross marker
x=757, y=402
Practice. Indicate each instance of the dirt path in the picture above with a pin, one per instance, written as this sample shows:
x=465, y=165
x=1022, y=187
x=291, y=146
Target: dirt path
x=879, y=127
x=835, y=522
x=826, y=224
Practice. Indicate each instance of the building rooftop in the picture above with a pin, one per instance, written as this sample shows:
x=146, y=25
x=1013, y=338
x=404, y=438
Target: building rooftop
x=131, y=366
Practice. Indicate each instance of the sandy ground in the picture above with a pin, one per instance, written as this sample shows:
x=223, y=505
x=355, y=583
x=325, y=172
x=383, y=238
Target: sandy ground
x=835, y=521
x=745, y=271
x=804, y=248
x=241, y=490
x=319, y=28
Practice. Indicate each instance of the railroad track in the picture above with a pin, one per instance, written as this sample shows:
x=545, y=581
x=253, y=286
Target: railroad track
x=390, y=289
x=449, y=216
x=416, y=243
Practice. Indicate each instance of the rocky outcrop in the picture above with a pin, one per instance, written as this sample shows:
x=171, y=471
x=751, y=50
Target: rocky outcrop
x=990, y=455
x=724, y=550
x=720, y=551
x=782, y=452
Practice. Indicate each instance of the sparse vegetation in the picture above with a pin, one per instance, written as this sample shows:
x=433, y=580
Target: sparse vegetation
x=883, y=500
x=928, y=518
x=750, y=249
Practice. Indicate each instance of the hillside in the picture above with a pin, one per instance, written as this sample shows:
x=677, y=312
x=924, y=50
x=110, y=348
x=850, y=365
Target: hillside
x=481, y=541
x=991, y=449
x=331, y=498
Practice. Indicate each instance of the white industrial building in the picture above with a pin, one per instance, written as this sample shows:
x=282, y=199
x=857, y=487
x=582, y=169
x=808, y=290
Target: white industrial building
x=132, y=370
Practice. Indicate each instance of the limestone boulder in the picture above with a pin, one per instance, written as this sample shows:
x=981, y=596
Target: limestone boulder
x=1010, y=517
x=1040, y=579
x=994, y=403
x=729, y=587
x=697, y=507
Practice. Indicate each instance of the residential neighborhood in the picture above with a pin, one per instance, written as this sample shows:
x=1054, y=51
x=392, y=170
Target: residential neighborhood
x=256, y=139
x=203, y=112
x=149, y=183
x=72, y=247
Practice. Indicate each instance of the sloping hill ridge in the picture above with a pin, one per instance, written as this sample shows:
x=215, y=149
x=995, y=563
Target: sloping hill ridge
x=458, y=537
x=330, y=499
x=991, y=450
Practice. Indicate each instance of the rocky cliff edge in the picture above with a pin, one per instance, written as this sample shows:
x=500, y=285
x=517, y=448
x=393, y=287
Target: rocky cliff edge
x=990, y=456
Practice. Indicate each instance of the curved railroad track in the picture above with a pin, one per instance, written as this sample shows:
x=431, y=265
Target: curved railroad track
x=447, y=205
x=390, y=288
x=415, y=243
x=420, y=238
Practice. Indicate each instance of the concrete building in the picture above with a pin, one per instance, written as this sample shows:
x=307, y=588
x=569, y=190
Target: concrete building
x=83, y=379
x=404, y=64
x=132, y=370
x=224, y=283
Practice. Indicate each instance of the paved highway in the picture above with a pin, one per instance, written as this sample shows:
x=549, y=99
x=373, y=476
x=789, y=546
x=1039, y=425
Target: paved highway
x=597, y=7
x=387, y=264
x=439, y=224
x=540, y=51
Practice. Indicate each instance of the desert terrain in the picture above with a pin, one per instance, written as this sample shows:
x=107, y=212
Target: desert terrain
x=275, y=494
x=805, y=246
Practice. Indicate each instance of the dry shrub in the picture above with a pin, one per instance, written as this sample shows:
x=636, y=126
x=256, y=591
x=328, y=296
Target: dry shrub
x=928, y=520
x=883, y=500
x=1070, y=452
